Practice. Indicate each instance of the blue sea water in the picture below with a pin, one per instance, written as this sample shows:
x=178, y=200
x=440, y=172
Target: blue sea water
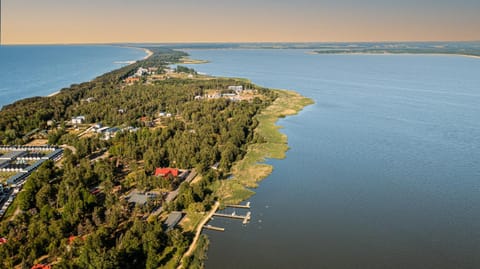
x=383, y=170
x=27, y=71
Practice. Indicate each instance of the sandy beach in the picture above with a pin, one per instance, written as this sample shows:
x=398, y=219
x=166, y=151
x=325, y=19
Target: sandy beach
x=148, y=52
x=53, y=94
x=472, y=56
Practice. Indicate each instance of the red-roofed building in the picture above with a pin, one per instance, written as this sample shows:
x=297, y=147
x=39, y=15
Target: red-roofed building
x=3, y=240
x=164, y=172
x=131, y=80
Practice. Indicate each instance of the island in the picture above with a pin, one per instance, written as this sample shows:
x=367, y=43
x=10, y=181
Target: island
x=133, y=164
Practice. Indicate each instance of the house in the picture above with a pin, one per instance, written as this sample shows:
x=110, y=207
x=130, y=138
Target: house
x=164, y=172
x=139, y=198
x=237, y=89
x=78, y=120
x=152, y=70
x=102, y=129
x=131, y=80
x=162, y=114
x=131, y=129
x=141, y=71
x=111, y=132
x=214, y=96
x=169, y=70
x=3, y=240
x=173, y=219
x=229, y=95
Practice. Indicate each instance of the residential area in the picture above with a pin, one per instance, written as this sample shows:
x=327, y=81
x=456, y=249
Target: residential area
x=16, y=164
x=138, y=155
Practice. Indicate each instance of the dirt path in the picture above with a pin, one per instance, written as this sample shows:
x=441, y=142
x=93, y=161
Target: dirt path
x=199, y=232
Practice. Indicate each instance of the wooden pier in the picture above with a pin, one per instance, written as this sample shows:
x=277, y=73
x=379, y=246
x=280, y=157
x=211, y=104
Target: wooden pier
x=247, y=206
x=213, y=228
x=245, y=218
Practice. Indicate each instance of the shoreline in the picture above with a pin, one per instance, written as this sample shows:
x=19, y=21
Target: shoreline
x=390, y=53
x=53, y=94
x=147, y=51
x=272, y=144
x=248, y=172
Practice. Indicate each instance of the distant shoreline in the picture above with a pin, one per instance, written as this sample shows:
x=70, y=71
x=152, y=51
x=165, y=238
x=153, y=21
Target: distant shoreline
x=53, y=94
x=147, y=51
x=392, y=53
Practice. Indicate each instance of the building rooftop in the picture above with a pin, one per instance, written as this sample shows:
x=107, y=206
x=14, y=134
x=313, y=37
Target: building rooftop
x=164, y=172
x=13, y=155
x=173, y=219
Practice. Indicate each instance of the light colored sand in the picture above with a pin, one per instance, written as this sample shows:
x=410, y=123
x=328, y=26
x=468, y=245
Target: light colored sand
x=53, y=94
x=148, y=52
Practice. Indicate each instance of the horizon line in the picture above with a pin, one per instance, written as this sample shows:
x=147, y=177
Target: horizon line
x=235, y=42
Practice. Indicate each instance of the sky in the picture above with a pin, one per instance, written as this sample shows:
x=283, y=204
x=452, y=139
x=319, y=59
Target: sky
x=109, y=21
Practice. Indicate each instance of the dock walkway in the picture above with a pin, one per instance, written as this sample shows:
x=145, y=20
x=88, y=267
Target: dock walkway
x=245, y=218
x=197, y=235
x=247, y=206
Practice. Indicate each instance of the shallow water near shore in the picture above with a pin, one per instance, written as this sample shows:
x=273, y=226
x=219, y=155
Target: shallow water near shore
x=27, y=71
x=383, y=171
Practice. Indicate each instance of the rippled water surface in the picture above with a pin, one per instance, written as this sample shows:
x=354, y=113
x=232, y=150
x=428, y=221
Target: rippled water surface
x=27, y=71
x=383, y=171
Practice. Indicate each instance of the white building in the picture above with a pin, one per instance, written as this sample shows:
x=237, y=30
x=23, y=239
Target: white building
x=78, y=120
x=141, y=71
x=237, y=89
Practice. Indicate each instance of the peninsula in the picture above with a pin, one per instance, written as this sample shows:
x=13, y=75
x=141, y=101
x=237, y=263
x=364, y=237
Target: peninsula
x=148, y=150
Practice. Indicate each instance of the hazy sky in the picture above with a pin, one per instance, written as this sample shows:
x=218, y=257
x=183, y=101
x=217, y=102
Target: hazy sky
x=101, y=21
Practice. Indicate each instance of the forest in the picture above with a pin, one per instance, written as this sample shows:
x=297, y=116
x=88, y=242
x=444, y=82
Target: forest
x=59, y=219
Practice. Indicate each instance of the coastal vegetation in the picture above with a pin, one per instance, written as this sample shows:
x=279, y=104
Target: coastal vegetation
x=269, y=142
x=452, y=48
x=75, y=214
x=467, y=48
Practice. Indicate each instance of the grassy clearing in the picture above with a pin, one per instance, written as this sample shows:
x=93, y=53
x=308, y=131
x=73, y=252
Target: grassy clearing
x=251, y=169
x=191, y=220
x=187, y=60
